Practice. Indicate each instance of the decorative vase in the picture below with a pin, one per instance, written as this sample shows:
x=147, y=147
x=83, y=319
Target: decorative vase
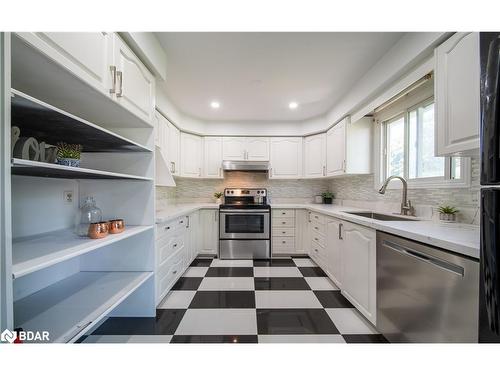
x=218, y=200
x=327, y=200
x=89, y=213
x=447, y=217
x=68, y=162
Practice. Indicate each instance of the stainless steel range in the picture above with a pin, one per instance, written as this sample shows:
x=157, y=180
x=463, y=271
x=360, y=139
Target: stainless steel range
x=245, y=224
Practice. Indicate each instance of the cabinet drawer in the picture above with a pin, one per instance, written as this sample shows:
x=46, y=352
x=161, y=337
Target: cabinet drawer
x=284, y=222
x=169, y=227
x=170, y=271
x=318, y=237
x=284, y=232
x=283, y=213
x=283, y=245
x=174, y=243
x=319, y=251
x=317, y=218
x=320, y=228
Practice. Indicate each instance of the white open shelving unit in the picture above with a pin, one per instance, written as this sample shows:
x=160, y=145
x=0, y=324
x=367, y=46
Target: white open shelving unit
x=62, y=283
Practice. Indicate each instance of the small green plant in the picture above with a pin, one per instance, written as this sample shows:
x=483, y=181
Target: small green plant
x=328, y=195
x=218, y=195
x=450, y=210
x=68, y=151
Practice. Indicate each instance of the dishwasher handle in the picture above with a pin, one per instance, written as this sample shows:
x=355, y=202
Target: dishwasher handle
x=440, y=263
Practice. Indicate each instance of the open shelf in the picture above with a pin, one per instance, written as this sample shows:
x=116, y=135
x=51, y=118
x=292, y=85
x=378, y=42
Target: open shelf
x=71, y=307
x=39, y=169
x=33, y=253
x=37, y=75
x=51, y=125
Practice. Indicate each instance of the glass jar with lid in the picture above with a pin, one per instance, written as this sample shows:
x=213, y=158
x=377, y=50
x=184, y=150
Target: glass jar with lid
x=89, y=213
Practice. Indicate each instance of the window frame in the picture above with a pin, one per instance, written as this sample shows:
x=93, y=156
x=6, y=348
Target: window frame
x=381, y=161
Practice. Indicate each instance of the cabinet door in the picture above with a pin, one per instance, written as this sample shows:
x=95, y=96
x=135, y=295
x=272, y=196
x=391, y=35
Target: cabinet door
x=315, y=155
x=209, y=231
x=87, y=55
x=286, y=158
x=173, y=148
x=212, y=162
x=233, y=148
x=257, y=149
x=457, y=109
x=334, y=250
x=194, y=236
x=191, y=154
x=335, y=150
x=359, y=268
x=136, y=88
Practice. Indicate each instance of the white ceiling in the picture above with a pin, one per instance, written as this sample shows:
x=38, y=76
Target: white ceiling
x=255, y=75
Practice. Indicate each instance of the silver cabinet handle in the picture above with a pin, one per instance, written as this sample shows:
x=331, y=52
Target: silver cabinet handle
x=270, y=172
x=119, y=77
x=324, y=170
x=199, y=172
x=188, y=222
x=172, y=167
x=112, y=69
x=220, y=172
x=215, y=216
x=340, y=231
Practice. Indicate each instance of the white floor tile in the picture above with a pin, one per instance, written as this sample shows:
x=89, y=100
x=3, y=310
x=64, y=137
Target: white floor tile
x=135, y=339
x=227, y=283
x=302, y=339
x=177, y=299
x=349, y=321
x=321, y=283
x=218, y=322
x=232, y=263
x=195, y=272
x=276, y=272
x=304, y=262
x=269, y=299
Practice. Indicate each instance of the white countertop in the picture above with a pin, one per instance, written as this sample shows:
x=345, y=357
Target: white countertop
x=456, y=237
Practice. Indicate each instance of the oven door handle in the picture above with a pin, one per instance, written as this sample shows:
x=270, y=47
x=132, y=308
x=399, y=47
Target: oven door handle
x=243, y=211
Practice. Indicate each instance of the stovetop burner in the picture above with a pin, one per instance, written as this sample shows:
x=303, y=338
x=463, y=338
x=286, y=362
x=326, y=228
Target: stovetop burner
x=245, y=198
x=245, y=206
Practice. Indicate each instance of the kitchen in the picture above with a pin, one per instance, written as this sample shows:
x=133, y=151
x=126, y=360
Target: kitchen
x=250, y=210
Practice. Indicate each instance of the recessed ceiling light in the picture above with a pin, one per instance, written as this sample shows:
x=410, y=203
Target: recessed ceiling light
x=293, y=105
x=215, y=105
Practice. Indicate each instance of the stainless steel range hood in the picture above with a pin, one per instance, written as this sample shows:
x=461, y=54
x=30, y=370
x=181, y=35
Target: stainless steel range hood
x=245, y=165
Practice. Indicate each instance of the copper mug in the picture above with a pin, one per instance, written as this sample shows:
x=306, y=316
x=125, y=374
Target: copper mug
x=116, y=226
x=98, y=230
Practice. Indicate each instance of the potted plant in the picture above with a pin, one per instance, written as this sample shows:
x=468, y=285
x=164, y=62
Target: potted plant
x=68, y=154
x=447, y=213
x=327, y=197
x=218, y=197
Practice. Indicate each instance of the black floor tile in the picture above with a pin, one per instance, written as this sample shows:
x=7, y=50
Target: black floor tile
x=312, y=271
x=274, y=263
x=281, y=283
x=127, y=326
x=332, y=299
x=167, y=320
x=300, y=256
x=187, y=283
x=229, y=272
x=215, y=339
x=223, y=300
x=201, y=262
x=294, y=321
x=365, y=339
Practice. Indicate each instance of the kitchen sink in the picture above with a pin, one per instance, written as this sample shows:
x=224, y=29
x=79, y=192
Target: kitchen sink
x=382, y=217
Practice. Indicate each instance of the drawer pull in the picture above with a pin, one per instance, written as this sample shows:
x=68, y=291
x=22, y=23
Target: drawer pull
x=283, y=222
x=175, y=245
x=316, y=217
x=283, y=241
x=182, y=221
x=174, y=272
x=166, y=228
x=283, y=232
x=283, y=213
x=316, y=228
x=316, y=250
x=316, y=239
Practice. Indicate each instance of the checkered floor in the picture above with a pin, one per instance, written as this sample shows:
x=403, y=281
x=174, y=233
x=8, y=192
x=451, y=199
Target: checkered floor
x=286, y=300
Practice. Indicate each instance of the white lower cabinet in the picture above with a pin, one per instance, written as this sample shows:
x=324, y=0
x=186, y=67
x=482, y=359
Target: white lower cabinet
x=334, y=252
x=209, y=230
x=283, y=231
x=358, y=260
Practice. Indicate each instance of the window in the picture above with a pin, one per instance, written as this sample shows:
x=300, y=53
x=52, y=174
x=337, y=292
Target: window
x=407, y=149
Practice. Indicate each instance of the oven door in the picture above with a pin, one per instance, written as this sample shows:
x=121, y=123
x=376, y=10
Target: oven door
x=244, y=224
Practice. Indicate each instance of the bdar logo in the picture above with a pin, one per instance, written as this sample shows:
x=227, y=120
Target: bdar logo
x=8, y=336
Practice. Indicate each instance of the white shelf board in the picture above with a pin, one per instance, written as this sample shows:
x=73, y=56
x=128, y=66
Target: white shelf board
x=33, y=253
x=40, y=169
x=71, y=307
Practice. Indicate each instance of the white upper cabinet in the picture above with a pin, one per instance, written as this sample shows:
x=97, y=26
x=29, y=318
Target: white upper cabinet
x=286, y=158
x=173, y=148
x=315, y=156
x=191, y=155
x=456, y=94
x=87, y=55
x=335, y=150
x=243, y=148
x=212, y=161
x=358, y=274
x=133, y=84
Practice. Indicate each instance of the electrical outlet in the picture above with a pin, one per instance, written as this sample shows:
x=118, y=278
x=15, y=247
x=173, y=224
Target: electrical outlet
x=68, y=196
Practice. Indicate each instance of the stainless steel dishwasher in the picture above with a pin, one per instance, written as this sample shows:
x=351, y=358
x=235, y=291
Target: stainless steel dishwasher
x=425, y=294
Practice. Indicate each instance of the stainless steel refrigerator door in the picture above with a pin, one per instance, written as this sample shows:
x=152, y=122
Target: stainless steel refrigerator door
x=425, y=295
